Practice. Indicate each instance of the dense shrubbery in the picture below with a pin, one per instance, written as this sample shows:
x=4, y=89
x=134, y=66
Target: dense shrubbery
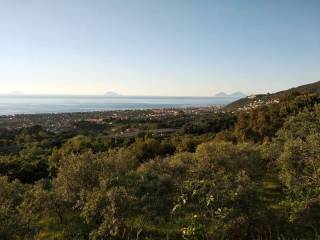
x=252, y=176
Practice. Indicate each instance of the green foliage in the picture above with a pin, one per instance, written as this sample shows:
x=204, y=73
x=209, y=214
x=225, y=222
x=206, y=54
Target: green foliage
x=254, y=175
x=13, y=225
x=300, y=173
x=258, y=124
x=263, y=122
x=214, y=124
x=222, y=187
x=77, y=173
x=150, y=148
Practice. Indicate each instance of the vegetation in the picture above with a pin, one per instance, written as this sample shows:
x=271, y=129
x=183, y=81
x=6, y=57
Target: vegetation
x=248, y=175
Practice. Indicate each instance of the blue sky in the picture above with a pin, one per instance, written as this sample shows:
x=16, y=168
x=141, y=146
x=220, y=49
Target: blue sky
x=163, y=47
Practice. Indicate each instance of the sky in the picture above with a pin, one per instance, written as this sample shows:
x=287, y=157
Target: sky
x=158, y=47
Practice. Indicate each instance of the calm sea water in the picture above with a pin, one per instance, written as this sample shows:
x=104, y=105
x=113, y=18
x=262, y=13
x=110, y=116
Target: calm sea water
x=10, y=105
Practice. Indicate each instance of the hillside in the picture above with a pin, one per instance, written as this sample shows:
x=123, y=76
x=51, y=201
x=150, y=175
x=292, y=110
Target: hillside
x=163, y=174
x=261, y=99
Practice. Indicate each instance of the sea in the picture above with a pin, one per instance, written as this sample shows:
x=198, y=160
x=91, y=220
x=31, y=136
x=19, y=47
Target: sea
x=13, y=105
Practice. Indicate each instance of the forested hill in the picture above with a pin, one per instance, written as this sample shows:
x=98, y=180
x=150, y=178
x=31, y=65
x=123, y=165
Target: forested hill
x=184, y=175
x=254, y=101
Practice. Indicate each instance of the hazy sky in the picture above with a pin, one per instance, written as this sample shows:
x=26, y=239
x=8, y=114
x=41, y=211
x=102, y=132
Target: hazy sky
x=163, y=47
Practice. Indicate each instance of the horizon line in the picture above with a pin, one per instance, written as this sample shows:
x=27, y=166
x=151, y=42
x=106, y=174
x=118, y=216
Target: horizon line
x=103, y=95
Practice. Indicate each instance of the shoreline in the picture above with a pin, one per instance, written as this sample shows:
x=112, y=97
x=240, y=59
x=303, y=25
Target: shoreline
x=58, y=121
x=94, y=111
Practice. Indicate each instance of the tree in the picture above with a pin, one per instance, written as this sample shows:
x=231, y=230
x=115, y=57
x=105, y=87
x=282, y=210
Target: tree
x=12, y=226
x=218, y=193
x=77, y=173
x=300, y=173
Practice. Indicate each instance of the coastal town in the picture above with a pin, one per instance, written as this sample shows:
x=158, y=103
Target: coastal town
x=63, y=121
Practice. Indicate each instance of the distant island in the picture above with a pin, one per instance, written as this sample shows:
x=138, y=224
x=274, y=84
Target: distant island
x=232, y=95
x=112, y=94
x=16, y=93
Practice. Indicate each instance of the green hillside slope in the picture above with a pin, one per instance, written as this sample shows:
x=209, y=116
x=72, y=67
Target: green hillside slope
x=253, y=101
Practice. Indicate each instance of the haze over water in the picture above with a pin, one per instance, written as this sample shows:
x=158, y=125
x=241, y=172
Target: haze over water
x=11, y=105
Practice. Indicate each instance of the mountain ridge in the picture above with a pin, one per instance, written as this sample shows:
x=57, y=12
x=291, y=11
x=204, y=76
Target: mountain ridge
x=253, y=101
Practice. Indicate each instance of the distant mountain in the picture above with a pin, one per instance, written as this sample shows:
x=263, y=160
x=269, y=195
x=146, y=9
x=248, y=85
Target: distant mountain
x=16, y=93
x=260, y=99
x=221, y=95
x=238, y=95
x=232, y=95
x=112, y=94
